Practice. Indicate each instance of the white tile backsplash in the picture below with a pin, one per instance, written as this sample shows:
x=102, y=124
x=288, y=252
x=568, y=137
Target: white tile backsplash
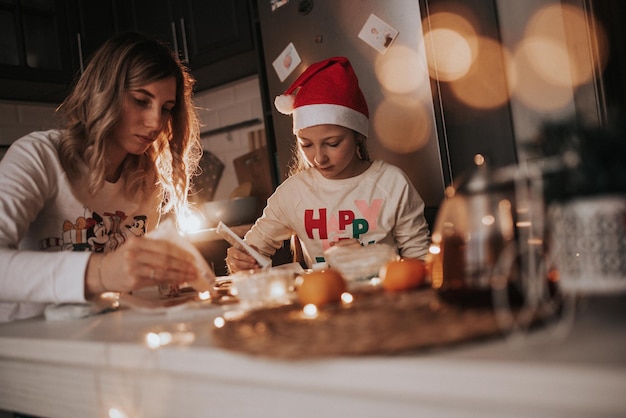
x=227, y=105
x=224, y=106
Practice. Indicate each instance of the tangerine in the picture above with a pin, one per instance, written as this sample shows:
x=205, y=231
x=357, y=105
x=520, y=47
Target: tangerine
x=403, y=274
x=320, y=287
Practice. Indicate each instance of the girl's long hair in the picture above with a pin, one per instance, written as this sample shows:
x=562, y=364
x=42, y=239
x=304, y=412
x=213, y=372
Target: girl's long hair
x=91, y=111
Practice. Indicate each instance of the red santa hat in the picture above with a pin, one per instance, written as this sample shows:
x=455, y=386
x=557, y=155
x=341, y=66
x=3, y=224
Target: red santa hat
x=327, y=92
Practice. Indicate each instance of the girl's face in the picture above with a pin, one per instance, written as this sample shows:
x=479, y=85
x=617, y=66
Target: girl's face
x=331, y=150
x=145, y=112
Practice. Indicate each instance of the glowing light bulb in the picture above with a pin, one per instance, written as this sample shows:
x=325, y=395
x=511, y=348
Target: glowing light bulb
x=277, y=290
x=310, y=310
x=116, y=413
x=165, y=338
x=347, y=298
x=219, y=322
x=152, y=340
x=190, y=222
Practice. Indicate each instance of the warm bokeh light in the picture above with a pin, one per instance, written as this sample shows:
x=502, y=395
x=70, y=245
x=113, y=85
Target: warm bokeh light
x=156, y=340
x=402, y=124
x=401, y=70
x=450, y=43
x=531, y=88
x=564, y=39
x=310, y=311
x=191, y=221
x=562, y=48
x=486, y=84
x=449, y=54
x=456, y=18
x=347, y=298
x=550, y=60
x=117, y=413
x=152, y=340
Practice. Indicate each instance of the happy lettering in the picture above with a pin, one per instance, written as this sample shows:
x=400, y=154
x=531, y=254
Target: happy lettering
x=320, y=224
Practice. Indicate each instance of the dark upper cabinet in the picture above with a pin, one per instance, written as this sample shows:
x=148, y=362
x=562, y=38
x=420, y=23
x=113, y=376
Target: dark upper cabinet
x=92, y=23
x=35, y=49
x=218, y=40
x=156, y=18
x=214, y=38
x=46, y=43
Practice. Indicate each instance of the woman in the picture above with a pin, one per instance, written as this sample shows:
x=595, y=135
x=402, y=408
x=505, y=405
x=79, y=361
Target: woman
x=74, y=201
x=335, y=194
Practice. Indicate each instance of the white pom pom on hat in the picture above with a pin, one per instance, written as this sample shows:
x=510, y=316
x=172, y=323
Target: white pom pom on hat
x=327, y=92
x=284, y=103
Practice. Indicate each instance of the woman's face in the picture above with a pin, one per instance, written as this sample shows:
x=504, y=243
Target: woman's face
x=331, y=150
x=145, y=112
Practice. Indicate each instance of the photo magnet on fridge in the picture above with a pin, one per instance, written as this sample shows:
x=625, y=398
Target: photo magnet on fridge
x=286, y=62
x=275, y=4
x=377, y=33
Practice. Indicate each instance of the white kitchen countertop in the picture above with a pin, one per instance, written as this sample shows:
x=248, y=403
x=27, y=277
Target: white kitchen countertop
x=85, y=367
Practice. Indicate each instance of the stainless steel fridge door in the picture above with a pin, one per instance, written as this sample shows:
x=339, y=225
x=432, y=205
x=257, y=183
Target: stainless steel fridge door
x=402, y=123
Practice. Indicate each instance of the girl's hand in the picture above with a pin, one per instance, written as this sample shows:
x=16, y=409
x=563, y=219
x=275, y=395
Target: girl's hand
x=139, y=263
x=237, y=260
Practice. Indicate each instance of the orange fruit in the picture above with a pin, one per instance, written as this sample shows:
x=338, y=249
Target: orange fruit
x=403, y=274
x=320, y=287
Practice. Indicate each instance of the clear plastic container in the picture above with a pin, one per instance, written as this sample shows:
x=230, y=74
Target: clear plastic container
x=359, y=265
x=265, y=288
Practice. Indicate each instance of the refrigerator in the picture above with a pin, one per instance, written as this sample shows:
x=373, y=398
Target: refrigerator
x=383, y=40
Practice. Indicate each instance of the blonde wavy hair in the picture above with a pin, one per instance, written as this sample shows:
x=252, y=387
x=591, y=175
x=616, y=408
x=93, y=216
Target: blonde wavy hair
x=90, y=112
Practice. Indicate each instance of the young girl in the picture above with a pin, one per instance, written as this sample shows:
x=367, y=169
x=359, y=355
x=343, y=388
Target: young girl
x=74, y=201
x=335, y=194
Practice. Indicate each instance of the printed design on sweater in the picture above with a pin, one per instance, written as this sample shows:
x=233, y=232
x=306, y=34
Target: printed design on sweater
x=98, y=233
x=344, y=224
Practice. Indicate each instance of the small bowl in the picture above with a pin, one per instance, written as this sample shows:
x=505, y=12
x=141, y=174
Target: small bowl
x=238, y=211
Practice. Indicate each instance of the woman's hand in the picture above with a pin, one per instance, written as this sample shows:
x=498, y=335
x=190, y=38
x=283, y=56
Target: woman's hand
x=139, y=263
x=237, y=260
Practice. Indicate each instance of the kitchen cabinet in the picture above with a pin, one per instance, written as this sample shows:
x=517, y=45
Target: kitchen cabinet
x=213, y=38
x=92, y=23
x=35, y=57
x=45, y=43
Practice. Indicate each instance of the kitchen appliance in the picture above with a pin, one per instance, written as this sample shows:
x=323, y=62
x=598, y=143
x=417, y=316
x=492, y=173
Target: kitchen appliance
x=394, y=78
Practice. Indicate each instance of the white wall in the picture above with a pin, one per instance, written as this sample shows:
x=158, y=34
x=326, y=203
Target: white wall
x=224, y=106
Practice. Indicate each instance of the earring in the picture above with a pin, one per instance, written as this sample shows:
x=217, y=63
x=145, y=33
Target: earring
x=359, y=146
